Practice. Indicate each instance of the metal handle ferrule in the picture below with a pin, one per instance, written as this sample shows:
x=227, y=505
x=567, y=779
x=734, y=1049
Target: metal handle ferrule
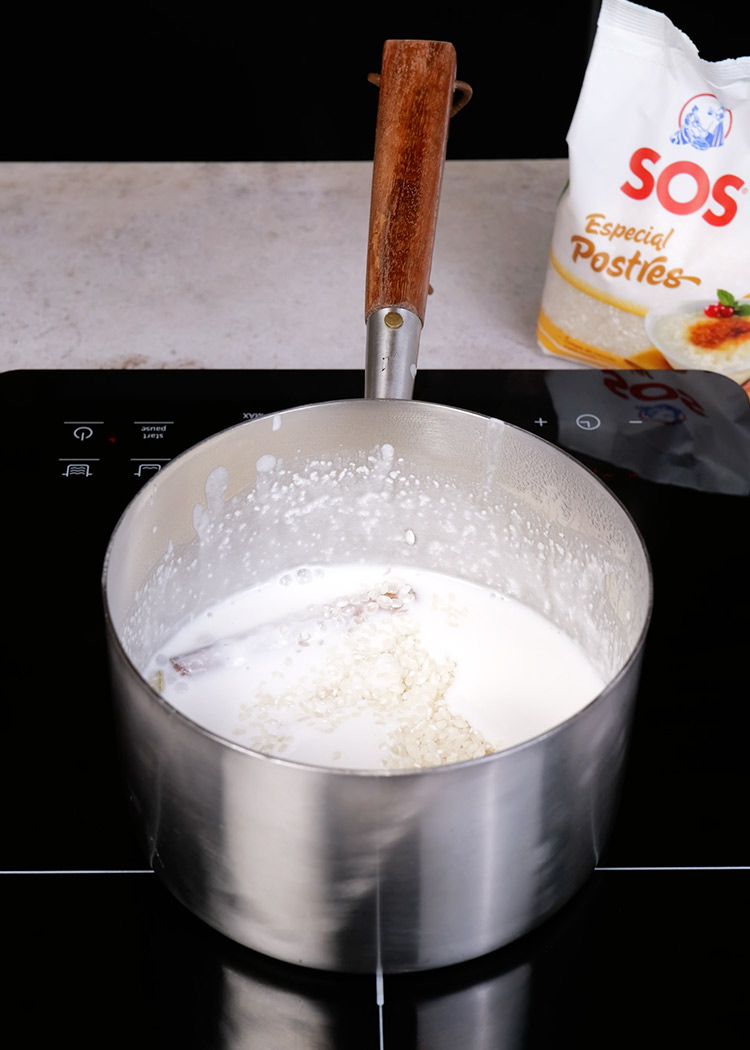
x=392, y=351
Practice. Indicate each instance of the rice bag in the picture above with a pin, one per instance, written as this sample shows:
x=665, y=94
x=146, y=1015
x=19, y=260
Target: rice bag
x=650, y=258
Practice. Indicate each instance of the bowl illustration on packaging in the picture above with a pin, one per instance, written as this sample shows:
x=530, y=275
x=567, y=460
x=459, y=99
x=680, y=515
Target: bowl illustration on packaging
x=711, y=334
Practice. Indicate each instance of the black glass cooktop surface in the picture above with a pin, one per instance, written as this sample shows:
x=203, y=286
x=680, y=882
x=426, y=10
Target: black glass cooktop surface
x=652, y=951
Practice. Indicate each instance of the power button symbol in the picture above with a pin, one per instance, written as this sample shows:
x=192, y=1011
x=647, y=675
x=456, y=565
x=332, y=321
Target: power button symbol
x=588, y=421
x=83, y=433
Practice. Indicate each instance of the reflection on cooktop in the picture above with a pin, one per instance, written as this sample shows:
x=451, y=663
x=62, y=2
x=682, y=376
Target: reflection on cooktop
x=636, y=959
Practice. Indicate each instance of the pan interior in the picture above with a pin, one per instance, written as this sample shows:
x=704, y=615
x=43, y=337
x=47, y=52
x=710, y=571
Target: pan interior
x=407, y=483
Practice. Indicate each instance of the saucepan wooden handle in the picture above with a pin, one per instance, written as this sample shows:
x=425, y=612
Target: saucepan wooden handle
x=417, y=82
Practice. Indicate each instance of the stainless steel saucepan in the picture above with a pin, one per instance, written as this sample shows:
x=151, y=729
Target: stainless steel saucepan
x=394, y=870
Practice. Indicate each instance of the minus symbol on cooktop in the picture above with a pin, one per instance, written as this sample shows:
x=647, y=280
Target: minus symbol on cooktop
x=78, y=871
x=635, y=421
x=679, y=867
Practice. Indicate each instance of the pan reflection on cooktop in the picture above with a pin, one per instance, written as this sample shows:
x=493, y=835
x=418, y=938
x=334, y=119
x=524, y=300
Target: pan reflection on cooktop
x=636, y=959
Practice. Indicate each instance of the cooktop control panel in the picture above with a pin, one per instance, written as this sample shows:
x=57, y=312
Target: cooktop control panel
x=687, y=429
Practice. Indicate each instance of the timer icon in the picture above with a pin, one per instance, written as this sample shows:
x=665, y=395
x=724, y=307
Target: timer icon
x=588, y=421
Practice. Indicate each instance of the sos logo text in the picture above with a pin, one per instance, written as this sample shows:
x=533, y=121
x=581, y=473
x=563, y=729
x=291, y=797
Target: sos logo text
x=704, y=124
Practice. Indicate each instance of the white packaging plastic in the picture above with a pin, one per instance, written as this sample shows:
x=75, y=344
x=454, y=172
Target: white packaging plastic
x=654, y=223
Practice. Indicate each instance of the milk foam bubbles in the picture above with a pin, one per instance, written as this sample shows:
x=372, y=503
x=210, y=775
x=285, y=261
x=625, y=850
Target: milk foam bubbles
x=373, y=667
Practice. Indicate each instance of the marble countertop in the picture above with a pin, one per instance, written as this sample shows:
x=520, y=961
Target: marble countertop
x=258, y=265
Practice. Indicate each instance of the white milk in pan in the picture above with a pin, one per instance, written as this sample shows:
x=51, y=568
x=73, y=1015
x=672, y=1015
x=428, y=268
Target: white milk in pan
x=373, y=667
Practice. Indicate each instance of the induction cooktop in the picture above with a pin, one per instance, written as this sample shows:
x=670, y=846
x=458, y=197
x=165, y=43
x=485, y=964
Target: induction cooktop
x=651, y=952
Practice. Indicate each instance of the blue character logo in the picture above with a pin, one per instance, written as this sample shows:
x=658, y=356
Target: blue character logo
x=704, y=123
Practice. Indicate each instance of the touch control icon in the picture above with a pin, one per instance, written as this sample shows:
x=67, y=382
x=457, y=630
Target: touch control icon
x=588, y=421
x=83, y=429
x=144, y=469
x=77, y=468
